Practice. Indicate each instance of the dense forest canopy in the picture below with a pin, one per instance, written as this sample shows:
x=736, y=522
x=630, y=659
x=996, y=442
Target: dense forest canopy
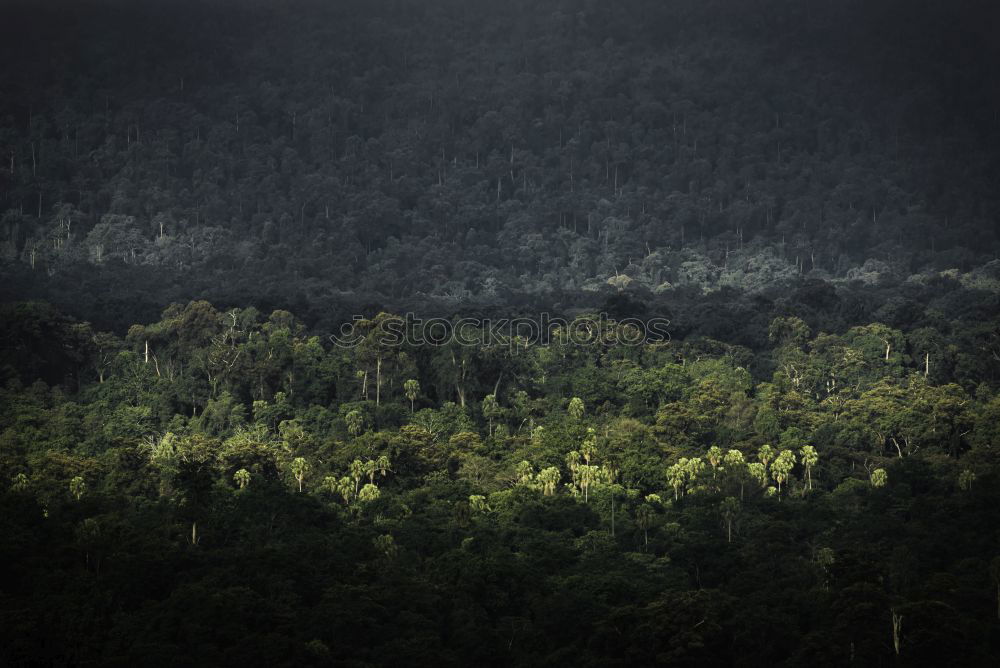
x=454, y=152
x=797, y=465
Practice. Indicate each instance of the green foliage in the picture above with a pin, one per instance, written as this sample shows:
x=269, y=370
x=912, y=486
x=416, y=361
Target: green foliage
x=619, y=504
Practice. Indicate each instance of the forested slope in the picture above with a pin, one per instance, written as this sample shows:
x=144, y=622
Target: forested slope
x=224, y=488
x=195, y=196
x=444, y=153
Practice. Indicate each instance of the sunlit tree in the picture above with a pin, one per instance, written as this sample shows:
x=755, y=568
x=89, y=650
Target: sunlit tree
x=549, y=480
x=369, y=493
x=300, y=469
x=781, y=467
x=809, y=457
x=242, y=478
x=412, y=390
x=77, y=487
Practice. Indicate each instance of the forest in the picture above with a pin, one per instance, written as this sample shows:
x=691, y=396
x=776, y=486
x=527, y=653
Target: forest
x=763, y=429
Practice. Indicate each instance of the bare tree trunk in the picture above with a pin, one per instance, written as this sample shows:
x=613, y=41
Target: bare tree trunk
x=897, y=629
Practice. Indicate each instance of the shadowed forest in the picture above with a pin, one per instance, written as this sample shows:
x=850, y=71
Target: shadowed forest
x=195, y=197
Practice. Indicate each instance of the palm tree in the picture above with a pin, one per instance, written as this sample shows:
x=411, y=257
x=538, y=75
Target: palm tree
x=412, y=390
x=549, y=479
x=809, y=459
x=575, y=408
x=879, y=478
x=369, y=493
x=478, y=503
x=19, y=482
x=782, y=467
x=346, y=488
x=330, y=484
x=714, y=457
x=588, y=476
x=242, y=478
x=693, y=469
x=676, y=475
x=758, y=472
x=355, y=422
x=524, y=473
x=382, y=464
x=77, y=486
x=765, y=454
x=490, y=409
x=357, y=473
x=730, y=508
x=300, y=469
x=736, y=466
x=589, y=446
x=644, y=516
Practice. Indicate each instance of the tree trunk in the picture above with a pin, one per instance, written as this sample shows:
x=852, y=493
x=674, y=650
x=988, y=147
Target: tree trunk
x=897, y=628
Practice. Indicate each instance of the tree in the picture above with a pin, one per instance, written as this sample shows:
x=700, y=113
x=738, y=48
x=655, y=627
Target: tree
x=575, y=408
x=765, y=454
x=879, y=478
x=758, y=472
x=300, y=469
x=782, y=467
x=412, y=390
x=965, y=479
x=714, y=457
x=549, y=480
x=77, y=487
x=524, y=473
x=491, y=410
x=589, y=446
x=809, y=457
x=357, y=473
x=644, y=516
x=346, y=488
x=19, y=483
x=736, y=467
x=677, y=475
x=729, y=509
x=242, y=478
x=478, y=503
x=588, y=475
x=382, y=464
x=369, y=493
x=355, y=422
x=694, y=468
